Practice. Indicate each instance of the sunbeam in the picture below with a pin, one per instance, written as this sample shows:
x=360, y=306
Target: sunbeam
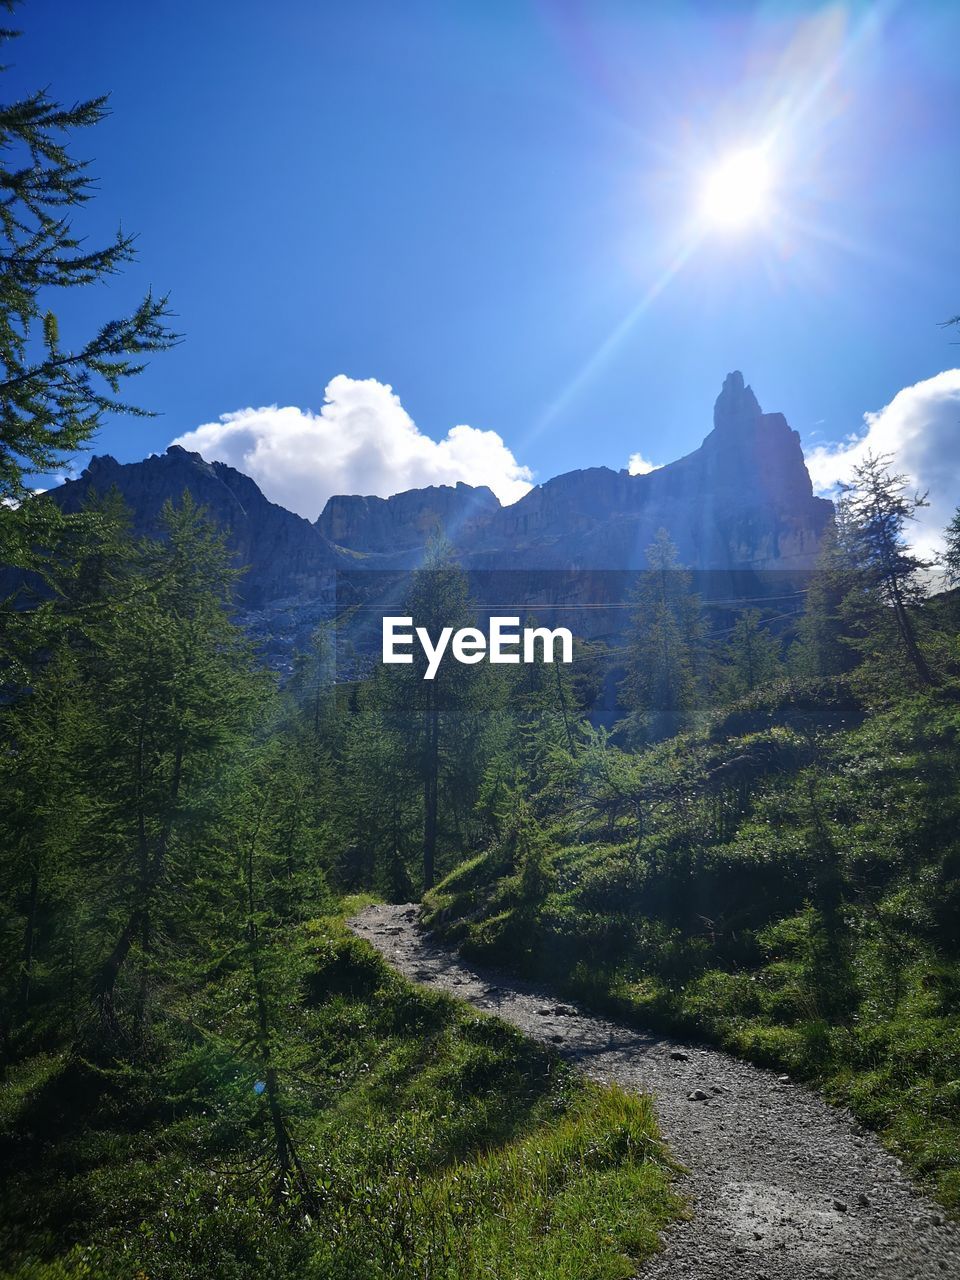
x=614, y=339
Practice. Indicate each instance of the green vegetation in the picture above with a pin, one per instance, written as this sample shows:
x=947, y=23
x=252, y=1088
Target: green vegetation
x=783, y=876
x=55, y=392
x=205, y=1074
x=202, y=1072
x=784, y=881
x=431, y=1141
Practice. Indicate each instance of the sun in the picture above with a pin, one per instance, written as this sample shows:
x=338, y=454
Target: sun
x=736, y=193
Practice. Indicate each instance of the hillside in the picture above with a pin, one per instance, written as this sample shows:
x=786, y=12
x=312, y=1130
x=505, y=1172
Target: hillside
x=202, y=1072
x=738, y=824
x=419, y=861
x=433, y=1139
x=784, y=882
x=778, y=1182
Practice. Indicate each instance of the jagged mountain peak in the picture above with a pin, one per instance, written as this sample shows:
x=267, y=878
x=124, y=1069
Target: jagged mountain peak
x=742, y=501
x=286, y=556
x=736, y=406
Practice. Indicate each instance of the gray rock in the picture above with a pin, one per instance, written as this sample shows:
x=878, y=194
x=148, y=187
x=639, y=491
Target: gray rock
x=742, y=500
x=404, y=521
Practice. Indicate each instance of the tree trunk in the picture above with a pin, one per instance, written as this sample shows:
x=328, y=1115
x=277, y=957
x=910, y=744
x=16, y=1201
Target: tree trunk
x=29, y=935
x=431, y=790
x=106, y=977
x=151, y=872
x=909, y=637
x=287, y=1160
x=563, y=707
x=146, y=942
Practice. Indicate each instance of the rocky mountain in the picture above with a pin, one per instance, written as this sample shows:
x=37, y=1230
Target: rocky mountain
x=741, y=502
x=284, y=554
x=405, y=521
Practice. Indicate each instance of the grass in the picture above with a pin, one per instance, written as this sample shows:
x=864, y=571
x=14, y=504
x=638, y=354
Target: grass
x=439, y=1143
x=803, y=913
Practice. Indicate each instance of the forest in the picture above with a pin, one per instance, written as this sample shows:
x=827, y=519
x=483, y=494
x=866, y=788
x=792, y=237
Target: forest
x=762, y=851
x=204, y=1072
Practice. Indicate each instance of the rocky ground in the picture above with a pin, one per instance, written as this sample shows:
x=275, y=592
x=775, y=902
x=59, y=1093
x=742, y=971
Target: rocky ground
x=782, y=1185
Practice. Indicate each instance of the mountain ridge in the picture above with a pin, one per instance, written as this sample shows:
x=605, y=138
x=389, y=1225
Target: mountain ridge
x=742, y=501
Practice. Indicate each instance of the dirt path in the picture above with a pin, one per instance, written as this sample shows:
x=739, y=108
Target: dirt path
x=783, y=1186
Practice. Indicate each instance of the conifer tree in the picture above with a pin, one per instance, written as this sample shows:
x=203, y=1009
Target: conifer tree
x=378, y=804
x=54, y=392
x=892, y=575
x=51, y=733
x=277, y=881
x=175, y=686
x=312, y=726
x=312, y=682
x=439, y=723
x=951, y=553
x=536, y=734
x=822, y=647
x=42, y=816
x=661, y=685
x=753, y=654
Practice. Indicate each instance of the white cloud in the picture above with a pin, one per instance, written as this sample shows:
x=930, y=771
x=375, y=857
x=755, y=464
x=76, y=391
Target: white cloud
x=362, y=441
x=637, y=465
x=13, y=503
x=921, y=428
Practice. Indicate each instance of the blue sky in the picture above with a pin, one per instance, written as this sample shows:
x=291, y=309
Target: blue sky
x=484, y=204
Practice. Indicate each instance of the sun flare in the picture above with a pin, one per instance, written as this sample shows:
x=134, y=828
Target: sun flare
x=736, y=192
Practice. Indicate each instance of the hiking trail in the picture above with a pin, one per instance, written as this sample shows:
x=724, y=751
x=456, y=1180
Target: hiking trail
x=782, y=1185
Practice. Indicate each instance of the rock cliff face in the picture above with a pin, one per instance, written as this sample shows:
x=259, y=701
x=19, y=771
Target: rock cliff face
x=743, y=502
x=284, y=554
x=407, y=519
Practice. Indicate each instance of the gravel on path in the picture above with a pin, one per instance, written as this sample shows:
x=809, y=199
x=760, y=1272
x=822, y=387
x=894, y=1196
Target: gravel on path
x=782, y=1185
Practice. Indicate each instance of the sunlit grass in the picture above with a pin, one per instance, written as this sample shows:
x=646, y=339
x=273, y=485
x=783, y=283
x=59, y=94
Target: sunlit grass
x=714, y=923
x=440, y=1142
